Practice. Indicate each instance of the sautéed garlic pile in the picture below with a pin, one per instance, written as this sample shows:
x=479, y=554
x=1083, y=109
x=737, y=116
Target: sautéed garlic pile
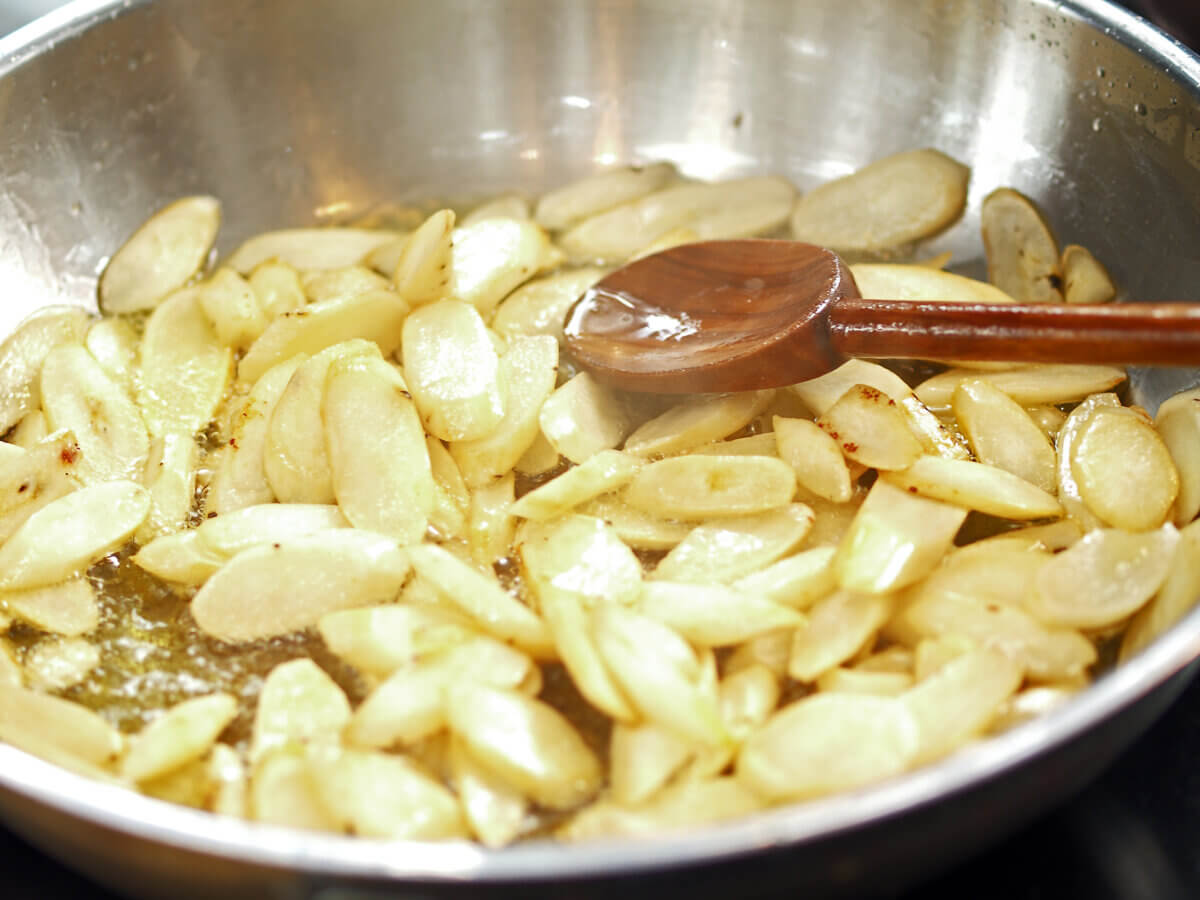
x=333, y=536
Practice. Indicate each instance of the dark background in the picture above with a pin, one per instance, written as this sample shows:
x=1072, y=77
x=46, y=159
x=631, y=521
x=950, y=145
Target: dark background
x=1132, y=835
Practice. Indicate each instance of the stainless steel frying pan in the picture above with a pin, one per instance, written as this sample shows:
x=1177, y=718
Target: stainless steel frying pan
x=296, y=112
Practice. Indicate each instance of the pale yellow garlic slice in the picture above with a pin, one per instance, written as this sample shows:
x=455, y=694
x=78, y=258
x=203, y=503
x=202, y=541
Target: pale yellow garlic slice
x=481, y=597
x=731, y=548
x=526, y=742
x=1068, y=438
x=748, y=697
x=698, y=487
x=227, y=775
x=583, y=418
x=295, y=458
x=977, y=486
x=381, y=639
x=385, y=258
x=797, y=581
x=283, y=792
x=829, y=742
x=1123, y=469
x=1048, y=418
x=988, y=572
x=933, y=653
x=309, y=248
x=1001, y=433
x=495, y=810
x=1052, y=536
x=659, y=673
x=453, y=371
x=1085, y=280
x=1046, y=653
x=762, y=207
x=713, y=615
x=490, y=522
x=582, y=556
x=1174, y=599
x=183, y=733
x=821, y=393
x=838, y=627
x=642, y=759
x=959, y=701
x=380, y=468
x=413, y=702
x=885, y=205
x=857, y=681
x=289, y=585
x=1028, y=385
x=1178, y=423
x=606, y=471
x=179, y=557
x=44, y=473
x=506, y=206
x=736, y=208
x=161, y=256
x=422, y=272
x=382, y=795
x=637, y=529
x=529, y=369
x=895, y=539
x=24, y=351
x=171, y=481
x=69, y=608
x=31, y=429
x=697, y=421
x=298, y=703
x=240, y=477
x=894, y=658
x=540, y=458
x=64, y=537
x=330, y=284
x=232, y=308
x=922, y=283
x=277, y=287
x=540, y=306
x=575, y=641
x=562, y=207
x=491, y=258
x=763, y=444
x=1105, y=577
x=770, y=650
x=686, y=806
x=1022, y=254
x=815, y=456
x=229, y=534
x=451, y=497
x=113, y=343
x=870, y=429
x=38, y=723
x=77, y=395
x=376, y=316
x=183, y=368
x=676, y=237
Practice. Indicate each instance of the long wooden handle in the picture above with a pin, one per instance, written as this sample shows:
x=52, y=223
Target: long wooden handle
x=1165, y=334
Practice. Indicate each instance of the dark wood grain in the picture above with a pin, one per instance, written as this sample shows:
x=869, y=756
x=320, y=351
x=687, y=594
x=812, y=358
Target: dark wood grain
x=1151, y=334
x=749, y=314
x=731, y=316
